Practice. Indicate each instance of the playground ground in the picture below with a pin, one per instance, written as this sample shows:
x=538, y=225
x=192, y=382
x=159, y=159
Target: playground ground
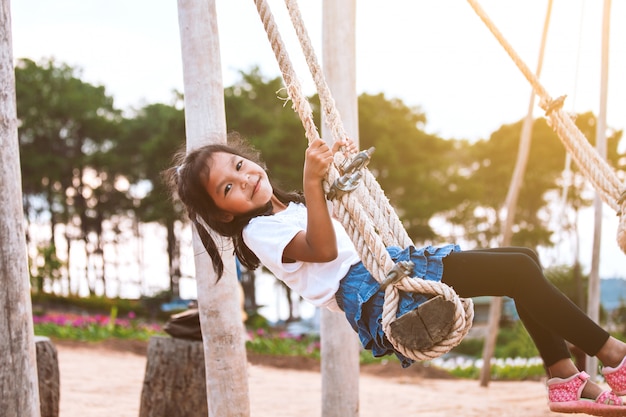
x=105, y=379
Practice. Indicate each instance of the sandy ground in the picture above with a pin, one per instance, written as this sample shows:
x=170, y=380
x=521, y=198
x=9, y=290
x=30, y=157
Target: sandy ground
x=100, y=382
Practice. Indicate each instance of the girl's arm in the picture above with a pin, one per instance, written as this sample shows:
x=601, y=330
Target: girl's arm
x=318, y=243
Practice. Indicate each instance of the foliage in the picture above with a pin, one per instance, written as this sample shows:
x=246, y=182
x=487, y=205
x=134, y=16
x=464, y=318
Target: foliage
x=489, y=166
x=501, y=369
x=513, y=341
x=63, y=123
x=94, y=328
x=93, y=176
x=282, y=343
x=98, y=327
x=47, y=265
x=257, y=321
x=417, y=170
x=268, y=341
x=66, y=126
x=94, y=305
x=148, y=143
x=257, y=108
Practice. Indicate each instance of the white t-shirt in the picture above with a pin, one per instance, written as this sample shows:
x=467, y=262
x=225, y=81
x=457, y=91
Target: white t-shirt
x=316, y=282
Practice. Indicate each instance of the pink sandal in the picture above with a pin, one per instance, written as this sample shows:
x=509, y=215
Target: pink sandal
x=616, y=377
x=564, y=396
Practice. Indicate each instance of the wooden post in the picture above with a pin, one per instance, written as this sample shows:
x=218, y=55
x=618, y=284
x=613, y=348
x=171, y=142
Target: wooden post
x=218, y=302
x=19, y=393
x=510, y=205
x=340, y=345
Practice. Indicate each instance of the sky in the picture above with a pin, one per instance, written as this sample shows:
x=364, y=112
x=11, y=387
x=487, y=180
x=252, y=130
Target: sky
x=436, y=55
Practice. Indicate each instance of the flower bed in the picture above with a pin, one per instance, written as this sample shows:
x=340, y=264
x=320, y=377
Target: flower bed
x=94, y=327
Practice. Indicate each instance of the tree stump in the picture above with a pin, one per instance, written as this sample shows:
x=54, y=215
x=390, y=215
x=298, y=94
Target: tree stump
x=48, y=376
x=174, y=384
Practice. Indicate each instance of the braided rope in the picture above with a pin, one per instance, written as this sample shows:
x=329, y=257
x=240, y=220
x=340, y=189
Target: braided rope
x=359, y=220
x=595, y=168
x=391, y=227
x=349, y=212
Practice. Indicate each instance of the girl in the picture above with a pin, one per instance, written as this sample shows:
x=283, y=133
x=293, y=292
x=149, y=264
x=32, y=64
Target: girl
x=226, y=188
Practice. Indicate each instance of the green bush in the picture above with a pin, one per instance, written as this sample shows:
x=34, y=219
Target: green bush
x=515, y=342
x=282, y=343
x=512, y=342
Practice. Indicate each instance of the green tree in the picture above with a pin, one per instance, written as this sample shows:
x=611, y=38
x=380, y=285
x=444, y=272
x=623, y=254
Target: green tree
x=489, y=165
x=63, y=123
x=415, y=169
x=46, y=266
x=149, y=141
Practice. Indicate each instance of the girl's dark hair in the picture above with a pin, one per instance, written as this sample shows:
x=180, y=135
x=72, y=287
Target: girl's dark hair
x=186, y=179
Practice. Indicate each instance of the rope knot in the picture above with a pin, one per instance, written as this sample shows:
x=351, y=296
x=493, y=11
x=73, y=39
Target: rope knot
x=555, y=104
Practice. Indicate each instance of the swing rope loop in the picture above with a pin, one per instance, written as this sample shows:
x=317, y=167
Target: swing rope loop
x=557, y=103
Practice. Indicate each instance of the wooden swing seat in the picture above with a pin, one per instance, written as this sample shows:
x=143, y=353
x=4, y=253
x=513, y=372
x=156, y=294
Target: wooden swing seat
x=426, y=326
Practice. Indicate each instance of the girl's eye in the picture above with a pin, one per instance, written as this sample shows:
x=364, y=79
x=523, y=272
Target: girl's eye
x=239, y=164
x=227, y=188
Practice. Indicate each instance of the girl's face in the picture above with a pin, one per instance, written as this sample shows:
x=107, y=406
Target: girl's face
x=237, y=185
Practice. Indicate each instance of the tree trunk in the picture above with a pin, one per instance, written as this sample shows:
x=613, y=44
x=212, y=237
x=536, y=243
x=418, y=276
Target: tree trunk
x=218, y=301
x=340, y=345
x=48, y=376
x=19, y=395
x=174, y=384
x=173, y=256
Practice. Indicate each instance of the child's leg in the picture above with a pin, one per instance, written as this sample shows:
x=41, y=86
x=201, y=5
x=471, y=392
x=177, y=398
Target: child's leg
x=550, y=318
x=548, y=315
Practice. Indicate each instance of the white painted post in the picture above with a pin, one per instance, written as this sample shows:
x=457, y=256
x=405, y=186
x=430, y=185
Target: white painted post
x=340, y=345
x=218, y=302
x=19, y=391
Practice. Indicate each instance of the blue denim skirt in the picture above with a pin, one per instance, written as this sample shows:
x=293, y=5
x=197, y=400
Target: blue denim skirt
x=360, y=297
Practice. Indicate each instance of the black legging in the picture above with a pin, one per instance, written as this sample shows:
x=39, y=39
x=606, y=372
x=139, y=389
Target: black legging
x=548, y=315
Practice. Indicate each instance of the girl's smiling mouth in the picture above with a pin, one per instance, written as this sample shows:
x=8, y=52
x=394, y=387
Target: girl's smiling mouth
x=256, y=187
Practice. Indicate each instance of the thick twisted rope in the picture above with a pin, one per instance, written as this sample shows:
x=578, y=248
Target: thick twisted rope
x=391, y=229
x=595, y=168
x=358, y=220
x=463, y=308
x=379, y=261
